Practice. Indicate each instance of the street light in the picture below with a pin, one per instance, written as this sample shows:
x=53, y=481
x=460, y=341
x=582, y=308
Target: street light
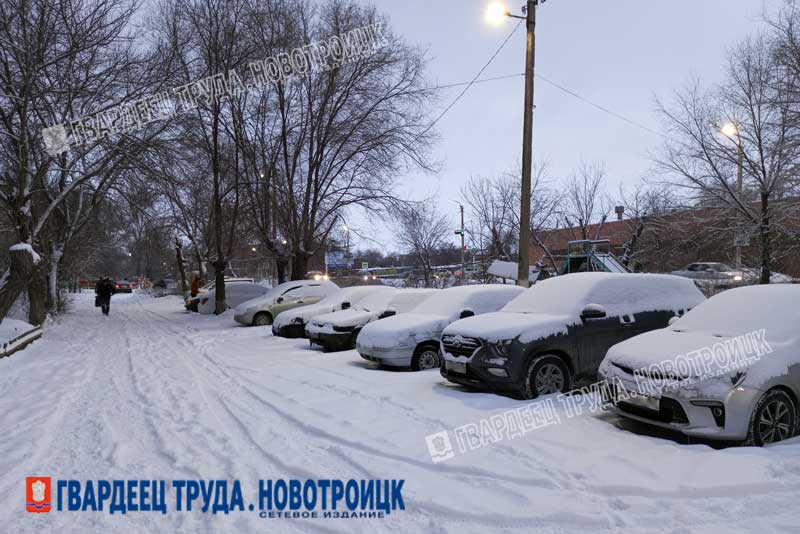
x=496, y=12
x=731, y=131
x=529, y=9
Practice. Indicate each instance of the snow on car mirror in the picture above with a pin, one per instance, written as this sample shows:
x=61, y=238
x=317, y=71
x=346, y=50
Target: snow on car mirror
x=593, y=311
x=387, y=313
x=466, y=313
x=673, y=320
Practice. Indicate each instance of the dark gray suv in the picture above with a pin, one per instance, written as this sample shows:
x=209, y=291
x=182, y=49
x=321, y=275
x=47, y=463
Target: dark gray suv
x=558, y=332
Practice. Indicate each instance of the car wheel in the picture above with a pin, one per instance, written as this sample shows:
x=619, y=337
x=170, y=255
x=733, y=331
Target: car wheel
x=774, y=419
x=425, y=357
x=262, y=319
x=546, y=375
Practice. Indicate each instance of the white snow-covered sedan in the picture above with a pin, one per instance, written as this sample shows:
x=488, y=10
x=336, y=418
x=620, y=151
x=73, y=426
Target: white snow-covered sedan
x=292, y=323
x=412, y=339
x=338, y=330
x=729, y=369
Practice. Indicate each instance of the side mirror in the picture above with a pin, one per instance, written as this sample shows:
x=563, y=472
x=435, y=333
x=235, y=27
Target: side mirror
x=345, y=305
x=387, y=313
x=279, y=300
x=593, y=311
x=673, y=320
x=466, y=313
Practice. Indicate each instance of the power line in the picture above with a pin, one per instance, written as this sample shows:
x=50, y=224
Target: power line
x=474, y=79
x=598, y=106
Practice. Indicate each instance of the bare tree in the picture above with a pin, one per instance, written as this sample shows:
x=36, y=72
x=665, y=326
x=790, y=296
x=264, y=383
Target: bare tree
x=422, y=232
x=585, y=199
x=702, y=161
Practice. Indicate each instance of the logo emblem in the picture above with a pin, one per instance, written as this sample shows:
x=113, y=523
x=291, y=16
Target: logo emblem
x=439, y=446
x=457, y=341
x=37, y=494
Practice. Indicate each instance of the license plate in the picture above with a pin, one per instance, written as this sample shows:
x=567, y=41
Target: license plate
x=456, y=367
x=651, y=403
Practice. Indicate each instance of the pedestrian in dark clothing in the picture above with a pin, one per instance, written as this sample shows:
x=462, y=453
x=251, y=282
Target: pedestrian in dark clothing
x=104, y=290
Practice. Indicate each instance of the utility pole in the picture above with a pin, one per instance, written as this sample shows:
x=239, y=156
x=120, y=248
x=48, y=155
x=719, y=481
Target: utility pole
x=461, y=231
x=527, y=149
x=739, y=187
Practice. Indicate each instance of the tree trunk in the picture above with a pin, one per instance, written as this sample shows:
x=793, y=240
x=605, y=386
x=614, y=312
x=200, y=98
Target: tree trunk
x=299, y=266
x=766, y=241
x=37, y=295
x=281, y=264
x=56, y=253
x=219, y=286
x=181, y=266
x=15, y=279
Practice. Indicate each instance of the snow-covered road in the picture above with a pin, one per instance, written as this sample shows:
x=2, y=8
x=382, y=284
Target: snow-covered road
x=152, y=392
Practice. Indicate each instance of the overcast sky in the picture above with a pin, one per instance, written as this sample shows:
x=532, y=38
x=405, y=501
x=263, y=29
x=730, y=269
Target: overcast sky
x=620, y=54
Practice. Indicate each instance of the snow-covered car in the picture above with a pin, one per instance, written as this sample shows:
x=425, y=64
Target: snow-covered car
x=412, y=339
x=338, y=330
x=262, y=311
x=235, y=293
x=559, y=330
x=729, y=369
x=293, y=323
x=715, y=273
x=192, y=303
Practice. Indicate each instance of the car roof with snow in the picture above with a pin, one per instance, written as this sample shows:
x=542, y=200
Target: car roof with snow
x=618, y=293
x=480, y=298
x=747, y=309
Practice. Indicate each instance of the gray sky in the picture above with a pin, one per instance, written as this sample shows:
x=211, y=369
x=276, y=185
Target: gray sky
x=620, y=54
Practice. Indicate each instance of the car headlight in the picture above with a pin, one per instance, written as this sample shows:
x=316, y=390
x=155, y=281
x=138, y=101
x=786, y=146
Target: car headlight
x=298, y=320
x=502, y=347
x=737, y=278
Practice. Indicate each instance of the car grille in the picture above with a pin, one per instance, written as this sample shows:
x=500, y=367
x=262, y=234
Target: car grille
x=461, y=346
x=669, y=411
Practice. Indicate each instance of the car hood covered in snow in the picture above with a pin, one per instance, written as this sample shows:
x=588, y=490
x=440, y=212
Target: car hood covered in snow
x=707, y=355
x=501, y=325
x=351, y=317
x=307, y=312
x=396, y=331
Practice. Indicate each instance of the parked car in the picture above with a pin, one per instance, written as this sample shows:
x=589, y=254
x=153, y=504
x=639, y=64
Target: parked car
x=339, y=330
x=715, y=272
x=262, y=311
x=559, y=330
x=192, y=303
x=293, y=323
x=235, y=293
x=412, y=339
x=123, y=286
x=756, y=403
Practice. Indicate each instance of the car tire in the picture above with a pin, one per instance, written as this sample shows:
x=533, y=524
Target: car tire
x=545, y=375
x=774, y=419
x=425, y=357
x=262, y=319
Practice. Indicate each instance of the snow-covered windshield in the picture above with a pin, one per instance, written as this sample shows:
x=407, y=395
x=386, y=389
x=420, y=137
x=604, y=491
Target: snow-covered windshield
x=563, y=295
x=377, y=301
x=747, y=309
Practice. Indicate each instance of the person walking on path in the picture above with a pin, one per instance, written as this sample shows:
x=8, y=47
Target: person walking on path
x=104, y=290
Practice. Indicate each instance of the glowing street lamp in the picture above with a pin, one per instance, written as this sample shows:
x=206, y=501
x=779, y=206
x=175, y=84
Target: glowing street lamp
x=730, y=130
x=496, y=12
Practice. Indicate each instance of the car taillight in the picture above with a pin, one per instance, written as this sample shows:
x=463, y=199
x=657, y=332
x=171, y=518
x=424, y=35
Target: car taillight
x=117, y=286
x=203, y=301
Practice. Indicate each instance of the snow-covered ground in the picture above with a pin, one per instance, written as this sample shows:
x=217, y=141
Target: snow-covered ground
x=154, y=392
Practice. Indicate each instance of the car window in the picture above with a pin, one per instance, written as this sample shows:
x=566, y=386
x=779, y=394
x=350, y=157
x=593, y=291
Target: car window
x=292, y=291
